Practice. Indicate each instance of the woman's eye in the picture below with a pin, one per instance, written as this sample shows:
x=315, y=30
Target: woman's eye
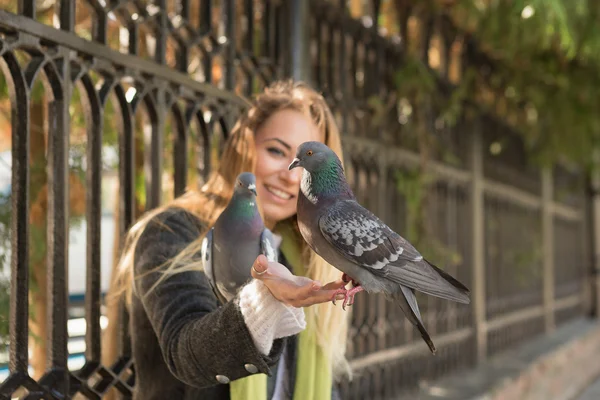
x=275, y=151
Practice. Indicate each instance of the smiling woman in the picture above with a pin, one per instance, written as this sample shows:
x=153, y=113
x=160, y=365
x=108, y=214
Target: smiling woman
x=188, y=345
x=276, y=143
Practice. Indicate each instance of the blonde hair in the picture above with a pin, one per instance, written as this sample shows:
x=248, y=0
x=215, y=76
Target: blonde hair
x=239, y=154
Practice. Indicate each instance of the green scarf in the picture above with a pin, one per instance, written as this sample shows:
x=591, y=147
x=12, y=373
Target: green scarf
x=313, y=371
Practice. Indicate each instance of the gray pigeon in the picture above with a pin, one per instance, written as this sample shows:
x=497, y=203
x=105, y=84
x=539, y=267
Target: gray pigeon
x=355, y=241
x=237, y=238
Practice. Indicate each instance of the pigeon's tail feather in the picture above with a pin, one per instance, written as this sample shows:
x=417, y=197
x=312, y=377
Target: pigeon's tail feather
x=408, y=303
x=450, y=279
x=429, y=279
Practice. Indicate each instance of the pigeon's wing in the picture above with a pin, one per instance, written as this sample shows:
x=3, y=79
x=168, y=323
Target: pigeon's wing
x=269, y=245
x=208, y=266
x=206, y=253
x=362, y=238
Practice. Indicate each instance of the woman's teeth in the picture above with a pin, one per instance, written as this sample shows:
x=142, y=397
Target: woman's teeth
x=279, y=193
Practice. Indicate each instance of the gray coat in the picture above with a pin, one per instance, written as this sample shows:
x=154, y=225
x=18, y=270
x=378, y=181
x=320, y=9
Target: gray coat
x=186, y=346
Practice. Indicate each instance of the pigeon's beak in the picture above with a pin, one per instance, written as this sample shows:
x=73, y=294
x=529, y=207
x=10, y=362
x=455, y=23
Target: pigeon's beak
x=295, y=163
x=252, y=188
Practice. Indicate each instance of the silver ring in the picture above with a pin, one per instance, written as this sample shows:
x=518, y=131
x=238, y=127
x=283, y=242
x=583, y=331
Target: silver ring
x=258, y=273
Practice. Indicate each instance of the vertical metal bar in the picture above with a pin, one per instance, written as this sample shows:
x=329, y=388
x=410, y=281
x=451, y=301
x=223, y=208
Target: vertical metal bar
x=354, y=67
x=343, y=71
x=230, y=32
x=156, y=146
x=268, y=29
x=249, y=11
x=205, y=136
x=133, y=38
x=184, y=9
x=182, y=58
x=548, y=247
x=183, y=53
x=66, y=14
x=26, y=8
x=384, y=214
x=205, y=28
x=376, y=5
x=180, y=157
x=160, y=36
x=377, y=44
x=380, y=60
x=99, y=24
x=586, y=245
x=478, y=243
x=93, y=209
x=317, y=75
x=427, y=33
x=331, y=61
x=205, y=16
x=298, y=18
x=19, y=263
x=126, y=199
x=595, y=230
x=281, y=32
x=58, y=230
x=126, y=166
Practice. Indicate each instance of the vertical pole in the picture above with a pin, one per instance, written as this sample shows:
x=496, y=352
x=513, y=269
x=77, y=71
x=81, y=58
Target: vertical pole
x=478, y=299
x=58, y=229
x=595, y=228
x=299, y=68
x=230, y=34
x=384, y=213
x=548, y=247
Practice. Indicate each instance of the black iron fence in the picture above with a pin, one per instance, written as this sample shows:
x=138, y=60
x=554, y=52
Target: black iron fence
x=167, y=76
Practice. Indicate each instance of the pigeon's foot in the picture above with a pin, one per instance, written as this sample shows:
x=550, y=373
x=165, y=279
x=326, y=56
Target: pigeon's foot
x=348, y=295
x=337, y=293
x=349, y=300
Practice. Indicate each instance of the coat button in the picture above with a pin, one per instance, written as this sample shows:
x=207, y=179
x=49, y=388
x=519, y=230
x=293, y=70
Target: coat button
x=251, y=368
x=222, y=379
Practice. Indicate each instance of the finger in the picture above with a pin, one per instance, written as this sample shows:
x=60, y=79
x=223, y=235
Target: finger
x=335, y=285
x=307, y=290
x=319, y=296
x=286, y=290
x=260, y=267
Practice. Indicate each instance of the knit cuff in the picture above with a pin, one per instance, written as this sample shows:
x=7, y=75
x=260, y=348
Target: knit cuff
x=266, y=317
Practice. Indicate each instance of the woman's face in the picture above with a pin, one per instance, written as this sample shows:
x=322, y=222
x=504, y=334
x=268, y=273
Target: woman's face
x=276, y=143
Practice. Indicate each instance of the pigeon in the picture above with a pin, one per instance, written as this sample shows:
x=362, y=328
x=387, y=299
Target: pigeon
x=352, y=239
x=237, y=238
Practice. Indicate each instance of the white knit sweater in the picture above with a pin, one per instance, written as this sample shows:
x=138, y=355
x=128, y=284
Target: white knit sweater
x=266, y=317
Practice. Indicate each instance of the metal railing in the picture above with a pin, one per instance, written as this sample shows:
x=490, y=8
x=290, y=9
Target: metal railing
x=517, y=244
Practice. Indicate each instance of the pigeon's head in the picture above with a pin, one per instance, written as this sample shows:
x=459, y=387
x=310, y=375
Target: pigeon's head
x=245, y=184
x=312, y=156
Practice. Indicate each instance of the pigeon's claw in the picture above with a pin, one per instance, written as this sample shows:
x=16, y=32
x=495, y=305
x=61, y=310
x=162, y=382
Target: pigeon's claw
x=349, y=300
x=338, y=292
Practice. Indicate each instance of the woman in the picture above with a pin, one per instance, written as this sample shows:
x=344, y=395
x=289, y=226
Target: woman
x=280, y=337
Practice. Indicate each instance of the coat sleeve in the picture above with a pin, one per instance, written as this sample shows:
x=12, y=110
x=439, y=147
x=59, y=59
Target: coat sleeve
x=202, y=344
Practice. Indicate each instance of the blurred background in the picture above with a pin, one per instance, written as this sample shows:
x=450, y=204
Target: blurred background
x=470, y=126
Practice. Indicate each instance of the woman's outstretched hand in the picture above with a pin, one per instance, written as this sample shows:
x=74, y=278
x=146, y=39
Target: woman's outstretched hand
x=297, y=291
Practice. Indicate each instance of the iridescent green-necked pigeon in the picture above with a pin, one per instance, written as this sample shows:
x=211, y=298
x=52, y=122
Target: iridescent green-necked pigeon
x=355, y=241
x=237, y=238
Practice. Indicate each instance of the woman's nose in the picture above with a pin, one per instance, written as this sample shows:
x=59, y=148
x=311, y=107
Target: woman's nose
x=294, y=176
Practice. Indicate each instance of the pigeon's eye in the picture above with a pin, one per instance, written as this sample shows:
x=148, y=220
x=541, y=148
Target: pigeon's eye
x=309, y=153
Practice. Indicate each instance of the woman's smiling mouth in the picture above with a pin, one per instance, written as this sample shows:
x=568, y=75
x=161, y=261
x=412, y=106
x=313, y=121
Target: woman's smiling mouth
x=278, y=193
